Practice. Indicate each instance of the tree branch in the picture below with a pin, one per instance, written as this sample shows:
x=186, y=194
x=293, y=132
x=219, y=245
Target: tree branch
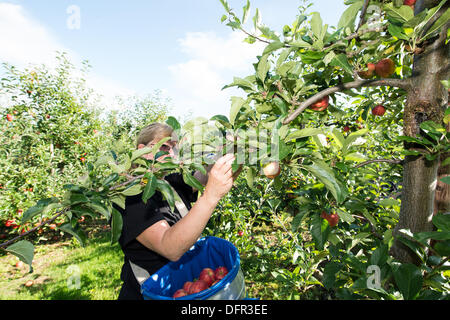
x=393, y=161
x=7, y=243
x=253, y=36
x=399, y=83
x=362, y=16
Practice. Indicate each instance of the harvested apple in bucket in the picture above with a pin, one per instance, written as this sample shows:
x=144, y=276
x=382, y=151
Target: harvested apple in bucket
x=207, y=278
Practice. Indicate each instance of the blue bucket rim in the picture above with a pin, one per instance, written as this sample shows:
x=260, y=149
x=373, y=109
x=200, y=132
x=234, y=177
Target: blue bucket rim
x=231, y=275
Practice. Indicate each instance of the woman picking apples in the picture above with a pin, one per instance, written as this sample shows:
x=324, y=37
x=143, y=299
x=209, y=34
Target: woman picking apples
x=153, y=234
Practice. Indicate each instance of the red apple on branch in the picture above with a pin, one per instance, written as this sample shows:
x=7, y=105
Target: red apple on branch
x=333, y=218
x=367, y=74
x=379, y=110
x=385, y=68
x=410, y=3
x=321, y=105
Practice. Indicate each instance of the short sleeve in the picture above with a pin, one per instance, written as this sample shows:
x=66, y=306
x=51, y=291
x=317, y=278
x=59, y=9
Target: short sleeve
x=137, y=217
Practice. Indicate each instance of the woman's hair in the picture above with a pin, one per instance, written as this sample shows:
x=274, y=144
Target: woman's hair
x=154, y=131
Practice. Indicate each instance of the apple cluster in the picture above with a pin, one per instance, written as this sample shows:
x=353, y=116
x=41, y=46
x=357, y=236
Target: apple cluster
x=207, y=278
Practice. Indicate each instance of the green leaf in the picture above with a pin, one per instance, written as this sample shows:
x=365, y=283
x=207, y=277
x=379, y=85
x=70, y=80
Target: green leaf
x=443, y=248
x=446, y=180
x=273, y=46
x=338, y=137
x=433, y=127
x=192, y=181
x=320, y=230
x=341, y=61
x=132, y=190
x=398, y=3
x=438, y=24
x=140, y=152
x=297, y=220
x=166, y=190
x=249, y=176
x=281, y=105
x=435, y=235
x=349, y=16
x=222, y=120
x=150, y=187
x=116, y=225
x=236, y=105
x=329, y=274
x=39, y=208
x=397, y=31
x=75, y=231
x=119, y=200
x=326, y=175
x=200, y=168
x=283, y=150
x=245, y=13
x=99, y=208
x=442, y=221
x=316, y=25
x=76, y=198
x=405, y=238
x=263, y=68
x=307, y=132
x=256, y=19
x=110, y=179
x=380, y=255
x=398, y=15
x=241, y=83
x=445, y=163
x=173, y=122
x=355, y=156
x=310, y=57
x=24, y=250
x=156, y=147
x=352, y=138
x=409, y=280
x=225, y=5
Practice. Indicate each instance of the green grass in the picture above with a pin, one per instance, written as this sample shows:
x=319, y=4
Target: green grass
x=56, y=266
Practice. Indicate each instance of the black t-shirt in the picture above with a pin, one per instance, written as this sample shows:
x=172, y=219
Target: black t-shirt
x=137, y=217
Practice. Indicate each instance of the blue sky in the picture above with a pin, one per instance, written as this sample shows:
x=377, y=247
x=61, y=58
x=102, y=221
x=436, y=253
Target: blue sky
x=138, y=46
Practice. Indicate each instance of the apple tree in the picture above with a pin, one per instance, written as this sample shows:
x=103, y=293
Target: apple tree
x=312, y=82
x=389, y=49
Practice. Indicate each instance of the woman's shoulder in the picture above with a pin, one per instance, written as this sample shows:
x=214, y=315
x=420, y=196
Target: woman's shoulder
x=174, y=178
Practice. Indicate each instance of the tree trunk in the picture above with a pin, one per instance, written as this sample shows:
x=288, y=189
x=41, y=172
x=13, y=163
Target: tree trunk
x=427, y=100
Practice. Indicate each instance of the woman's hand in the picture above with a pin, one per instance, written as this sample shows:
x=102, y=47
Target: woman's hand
x=220, y=179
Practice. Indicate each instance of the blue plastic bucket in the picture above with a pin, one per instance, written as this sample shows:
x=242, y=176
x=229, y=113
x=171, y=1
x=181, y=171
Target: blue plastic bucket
x=208, y=252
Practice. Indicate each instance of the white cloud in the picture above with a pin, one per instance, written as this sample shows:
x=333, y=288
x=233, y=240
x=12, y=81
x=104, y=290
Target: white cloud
x=25, y=41
x=212, y=62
